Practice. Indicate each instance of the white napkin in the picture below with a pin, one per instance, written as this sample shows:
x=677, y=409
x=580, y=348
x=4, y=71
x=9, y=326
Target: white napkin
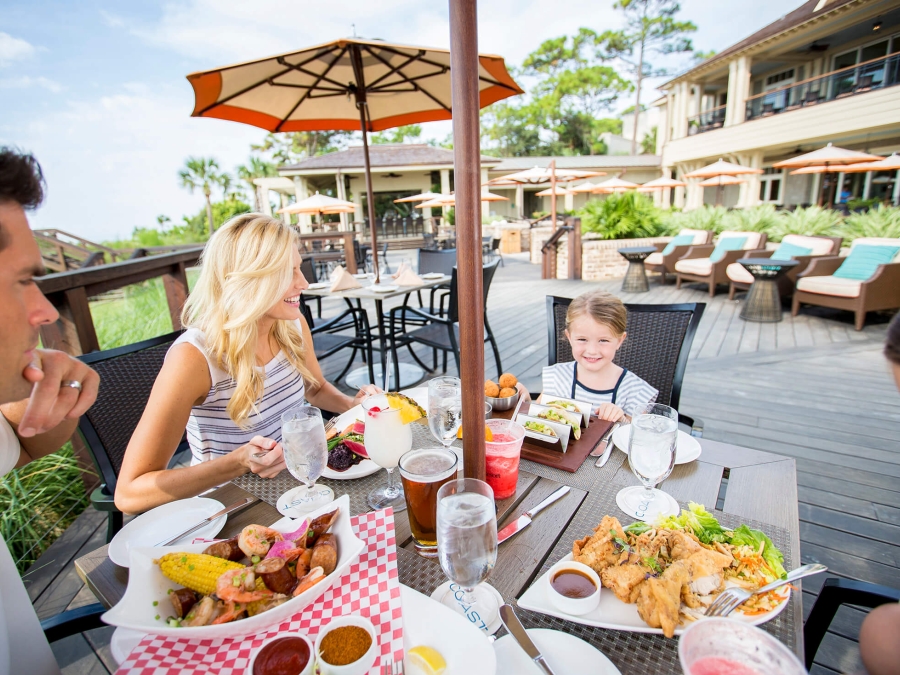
x=409, y=278
x=404, y=266
x=342, y=280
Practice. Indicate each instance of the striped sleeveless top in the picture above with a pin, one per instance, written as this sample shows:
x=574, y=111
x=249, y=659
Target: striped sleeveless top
x=210, y=431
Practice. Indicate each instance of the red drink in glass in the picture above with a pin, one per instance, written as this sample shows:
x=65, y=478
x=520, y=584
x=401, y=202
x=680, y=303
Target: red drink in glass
x=501, y=457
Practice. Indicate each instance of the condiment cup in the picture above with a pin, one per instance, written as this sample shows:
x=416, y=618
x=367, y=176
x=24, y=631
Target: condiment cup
x=361, y=665
x=574, y=606
x=309, y=664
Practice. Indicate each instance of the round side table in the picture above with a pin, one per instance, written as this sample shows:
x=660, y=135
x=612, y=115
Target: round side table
x=636, y=277
x=763, y=300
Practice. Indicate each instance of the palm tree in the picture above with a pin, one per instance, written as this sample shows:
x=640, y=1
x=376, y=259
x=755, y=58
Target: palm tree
x=204, y=174
x=256, y=168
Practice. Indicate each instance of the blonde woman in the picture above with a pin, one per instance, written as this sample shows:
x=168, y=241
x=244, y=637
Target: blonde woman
x=246, y=358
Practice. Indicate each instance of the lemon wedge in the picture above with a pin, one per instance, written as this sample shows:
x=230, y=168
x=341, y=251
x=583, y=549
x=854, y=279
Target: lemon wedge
x=427, y=660
x=410, y=411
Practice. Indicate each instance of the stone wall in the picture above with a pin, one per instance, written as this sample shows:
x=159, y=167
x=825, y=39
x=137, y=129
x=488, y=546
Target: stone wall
x=600, y=258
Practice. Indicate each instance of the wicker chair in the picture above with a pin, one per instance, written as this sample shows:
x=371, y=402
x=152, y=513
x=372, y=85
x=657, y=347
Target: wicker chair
x=665, y=264
x=696, y=265
x=441, y=330
x=127, y=375
x=657, y=348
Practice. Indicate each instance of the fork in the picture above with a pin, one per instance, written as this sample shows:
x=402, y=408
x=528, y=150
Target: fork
x=731, y=598
x=395, y=668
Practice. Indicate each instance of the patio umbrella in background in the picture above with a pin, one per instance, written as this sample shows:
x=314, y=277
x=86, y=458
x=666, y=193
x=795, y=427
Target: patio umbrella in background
x=586, y=186
x=891, y=163
x=830, y=159
x=450, y=200
x=344, y=85
x=661, y=184
x=559, y=192
x=424, y=197
x=721, y=169
x=719, y=182
x=319, y=204
x=614, y=185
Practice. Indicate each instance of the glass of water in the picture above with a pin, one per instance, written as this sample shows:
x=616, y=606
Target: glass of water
x=467, y=548
x=305, y=454
x=444, y=408
x=651, y=456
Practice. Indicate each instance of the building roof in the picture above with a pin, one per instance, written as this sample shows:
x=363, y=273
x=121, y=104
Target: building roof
x=581, y=162
x=381, y=156
x=812, y=9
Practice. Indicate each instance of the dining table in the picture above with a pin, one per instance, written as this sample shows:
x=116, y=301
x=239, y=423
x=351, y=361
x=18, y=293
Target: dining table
x=739, y=485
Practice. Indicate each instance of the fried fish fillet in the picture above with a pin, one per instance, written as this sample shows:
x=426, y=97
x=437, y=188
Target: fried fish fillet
x=683, y=545
x=624, y=581
x=599, y=550
x=659, y=600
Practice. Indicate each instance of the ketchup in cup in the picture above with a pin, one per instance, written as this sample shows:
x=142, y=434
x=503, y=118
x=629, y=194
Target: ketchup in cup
x=501, y=456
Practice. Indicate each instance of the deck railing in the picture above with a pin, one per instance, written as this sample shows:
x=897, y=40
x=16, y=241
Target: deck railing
x=858, y=79
x=706, y=121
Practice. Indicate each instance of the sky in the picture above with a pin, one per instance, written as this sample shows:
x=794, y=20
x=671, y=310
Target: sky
x=97, y=91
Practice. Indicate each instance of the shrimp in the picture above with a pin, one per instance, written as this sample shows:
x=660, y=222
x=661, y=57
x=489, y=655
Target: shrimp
x=257, y=539
x=201, y=614
x=240, y=586
x=231, y=612
x=315, y=575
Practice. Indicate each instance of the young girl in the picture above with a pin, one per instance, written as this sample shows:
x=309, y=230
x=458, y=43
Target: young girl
x=595, y=327
x=246, y=358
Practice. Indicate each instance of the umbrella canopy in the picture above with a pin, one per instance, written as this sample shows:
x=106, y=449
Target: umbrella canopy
x=344, y=85
x=661, y=184
x=425, y=196
x=586, y=186
x=828, y=156
x=560, y=192
x=721, y=168
x=719, y=181
x=537, y=175
x=450, y=200
x=318, y=204
x=614, y=185
x=891, y=163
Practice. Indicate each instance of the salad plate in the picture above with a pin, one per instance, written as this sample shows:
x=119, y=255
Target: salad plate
x=366, y=467
x=318, y=286
x=434, y=275
x=565, y=654
x=687, y=448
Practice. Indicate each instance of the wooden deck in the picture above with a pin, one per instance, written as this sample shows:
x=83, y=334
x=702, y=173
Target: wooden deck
x=810, y=388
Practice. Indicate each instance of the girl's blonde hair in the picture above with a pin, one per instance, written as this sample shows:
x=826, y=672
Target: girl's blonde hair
x=246, y=267
x=602, y=307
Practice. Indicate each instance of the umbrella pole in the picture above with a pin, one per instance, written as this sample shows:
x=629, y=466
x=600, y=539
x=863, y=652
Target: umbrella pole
x=363, y=125
x=553, y=194
x=467, y=171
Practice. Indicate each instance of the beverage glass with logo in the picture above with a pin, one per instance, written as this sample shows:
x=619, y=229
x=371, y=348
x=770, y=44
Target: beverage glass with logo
x=423, y=472
x=651, y=456
x=501, y=456
x=305, y=455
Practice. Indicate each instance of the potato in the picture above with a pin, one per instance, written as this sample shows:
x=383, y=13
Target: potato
x=491, y=389
x=506, y=392
x=508, y=381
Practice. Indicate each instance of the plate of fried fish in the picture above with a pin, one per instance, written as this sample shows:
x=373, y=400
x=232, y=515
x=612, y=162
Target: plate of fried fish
x=660, y=578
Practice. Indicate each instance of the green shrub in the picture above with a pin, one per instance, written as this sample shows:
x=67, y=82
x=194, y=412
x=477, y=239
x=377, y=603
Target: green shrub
x=630, y=215
x=704, y=218
x=762, y=218
x=882, y=221
x=811, y=221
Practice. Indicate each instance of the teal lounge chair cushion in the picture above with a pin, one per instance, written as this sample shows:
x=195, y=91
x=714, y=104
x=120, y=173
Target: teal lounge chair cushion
x=864, y=259
x=680, y=240
x=727, y=244
x=788, y=251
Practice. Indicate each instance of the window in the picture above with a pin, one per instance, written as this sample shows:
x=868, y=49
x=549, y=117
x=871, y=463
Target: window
x=779, y=78
x=770, y=186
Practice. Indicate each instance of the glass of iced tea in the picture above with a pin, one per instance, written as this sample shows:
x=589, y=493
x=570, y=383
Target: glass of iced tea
x=423, y=472
x=501, y=456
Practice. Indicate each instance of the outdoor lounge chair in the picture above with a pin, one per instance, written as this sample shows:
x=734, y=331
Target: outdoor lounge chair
x=741, y=279
x=441, y=330
x=127, y=375
x=667, y=254
x=818, y=285
x=698, y=264
x=657, y=348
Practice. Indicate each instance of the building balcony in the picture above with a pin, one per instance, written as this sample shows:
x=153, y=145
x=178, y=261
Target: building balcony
x=706, y=121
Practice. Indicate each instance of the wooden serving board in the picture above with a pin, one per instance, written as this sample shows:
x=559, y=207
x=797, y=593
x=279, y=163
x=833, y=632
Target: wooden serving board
x=574, y=456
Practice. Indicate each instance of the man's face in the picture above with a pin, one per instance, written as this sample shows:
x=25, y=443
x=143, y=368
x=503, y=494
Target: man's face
x=23, y=308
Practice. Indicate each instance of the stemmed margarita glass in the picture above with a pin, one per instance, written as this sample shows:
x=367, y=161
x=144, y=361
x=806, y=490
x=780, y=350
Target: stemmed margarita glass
x=386, y=440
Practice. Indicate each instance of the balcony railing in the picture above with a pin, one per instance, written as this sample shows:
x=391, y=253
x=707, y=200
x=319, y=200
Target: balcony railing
x=706, y=121
x=858, y=79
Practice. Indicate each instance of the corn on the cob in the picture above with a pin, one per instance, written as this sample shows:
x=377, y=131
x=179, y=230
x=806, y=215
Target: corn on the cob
x=196, y=571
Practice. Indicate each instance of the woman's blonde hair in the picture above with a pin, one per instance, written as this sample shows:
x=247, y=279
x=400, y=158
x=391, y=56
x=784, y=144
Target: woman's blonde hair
x=602, y=307
x=246, y=267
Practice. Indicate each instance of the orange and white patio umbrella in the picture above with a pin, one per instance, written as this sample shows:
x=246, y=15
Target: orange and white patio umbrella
x=424, y=197
x=559, y=192
x=721, y=181
x=830, y=159
x=586, y=186
x=344, y=85
x=614, y=185
x=319, y=204
x=538, y=174
x=891, y=163
x=721, y=168
x=450, y=200
x=661, y=184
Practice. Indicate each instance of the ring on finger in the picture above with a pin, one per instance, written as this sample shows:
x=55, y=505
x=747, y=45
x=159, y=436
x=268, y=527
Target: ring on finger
x=74, y=384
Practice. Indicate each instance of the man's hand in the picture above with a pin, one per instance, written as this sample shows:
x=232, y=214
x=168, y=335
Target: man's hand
x=54, y=396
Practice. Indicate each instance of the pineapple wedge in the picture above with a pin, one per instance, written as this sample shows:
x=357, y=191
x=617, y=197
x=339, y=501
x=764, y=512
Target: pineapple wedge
x=410, y=411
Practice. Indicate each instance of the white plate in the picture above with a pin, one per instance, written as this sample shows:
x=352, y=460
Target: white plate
x=361, y=275
x=614, y=614
x=687, y=448
x=383, y=288
x=564, y=653
x=163, y=523
x=318, y=286
x=434, y=275
x=146, y=595
x=466, y=649
x=366, y=467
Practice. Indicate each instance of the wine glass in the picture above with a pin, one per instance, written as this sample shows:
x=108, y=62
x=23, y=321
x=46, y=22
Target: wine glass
x=651, y=456
x=444, y=408
x=386, y=440
x=467, y=548
x=306, y=454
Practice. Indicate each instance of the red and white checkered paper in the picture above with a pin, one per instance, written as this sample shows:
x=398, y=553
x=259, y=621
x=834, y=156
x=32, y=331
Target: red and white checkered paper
x=369, y=588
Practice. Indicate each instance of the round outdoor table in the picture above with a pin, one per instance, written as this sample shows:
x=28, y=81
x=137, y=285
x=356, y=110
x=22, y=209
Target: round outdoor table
x=763, y=300
x=636, y=277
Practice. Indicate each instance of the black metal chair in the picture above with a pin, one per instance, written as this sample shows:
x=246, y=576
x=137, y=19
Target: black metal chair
x=441, y=331
x=657, y=348
x=834, y=593
x=127, y=375
x=329, y=337
x=308, y=268
x=495, y=250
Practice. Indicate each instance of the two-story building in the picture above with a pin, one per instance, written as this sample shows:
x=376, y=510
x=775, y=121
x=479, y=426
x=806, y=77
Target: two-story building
x=825, y=72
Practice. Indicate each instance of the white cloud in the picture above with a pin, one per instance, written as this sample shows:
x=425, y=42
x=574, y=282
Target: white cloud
x=14, y=49
x=26, y=82
x=112, y=163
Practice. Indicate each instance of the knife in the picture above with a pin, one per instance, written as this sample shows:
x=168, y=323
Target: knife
x=524, y=520
x=228, y=509
x=604, y=458
x=605, y=440
x=517, y=630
